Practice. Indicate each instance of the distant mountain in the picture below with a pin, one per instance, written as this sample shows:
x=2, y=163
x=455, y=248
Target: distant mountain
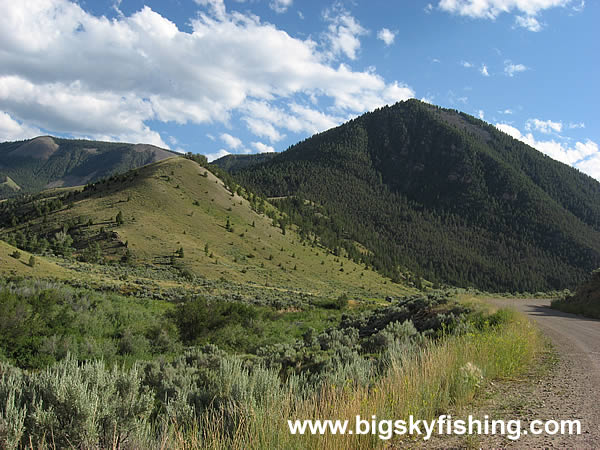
x=443, y=194
x=47, y=162
x=235, y=163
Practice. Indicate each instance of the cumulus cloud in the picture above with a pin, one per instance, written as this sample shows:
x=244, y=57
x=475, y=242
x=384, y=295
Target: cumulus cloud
x=466, y=64
x=545, y=126
x=264, y=119
x=576, y=125
x=217, y=6
x=280, y=6
x=212, y=156
x=511, y=69
x=484, y=71
x=526, y=10
x=231, y=141
x=585, y=156
x=11, y=130
x=387, y=36
x=262, y=148
x=528, y=22
x=343, y=33
x=490, y=9
x=481, y=114
x=140, y=68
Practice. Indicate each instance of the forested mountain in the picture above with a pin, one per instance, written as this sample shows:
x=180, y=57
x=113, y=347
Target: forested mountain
x=235, y=163
x=441, y=193
x=47, y=162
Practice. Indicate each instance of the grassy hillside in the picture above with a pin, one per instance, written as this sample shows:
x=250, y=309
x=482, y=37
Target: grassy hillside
x=42, y=268
x=46, y=162
x=177, y=204
x=442, y=193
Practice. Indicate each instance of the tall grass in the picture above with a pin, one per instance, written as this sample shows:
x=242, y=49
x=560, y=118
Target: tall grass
x=442, y=376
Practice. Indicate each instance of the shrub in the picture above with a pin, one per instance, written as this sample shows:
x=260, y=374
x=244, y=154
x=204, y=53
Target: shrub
x=74, y=406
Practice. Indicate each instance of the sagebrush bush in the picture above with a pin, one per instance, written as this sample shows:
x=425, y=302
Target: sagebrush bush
x=75, y=405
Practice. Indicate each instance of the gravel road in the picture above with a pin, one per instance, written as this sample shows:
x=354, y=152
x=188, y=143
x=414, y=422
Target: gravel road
x=572, y=389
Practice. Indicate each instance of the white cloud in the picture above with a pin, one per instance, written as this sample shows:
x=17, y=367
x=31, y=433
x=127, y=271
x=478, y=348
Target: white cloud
x=506, y=111
x=528, y=22
x=71, y=107
x=428, y=8
x=576, y=125
x=280, y=6
x=387, y=36
x=490, y=9
x=481, y=114
x=525, y=10
x=264, y=120
x=580, y=7
x=262, y=148
x=227, y=61
x=466, y=64
x=217, y=7
x=212, y=156
x=343, y=33
x=484, y=71
x=511, y=69
x=585, y=156
x=11, y=130
x=545, y=126
x=231, y=141
x=262, y=128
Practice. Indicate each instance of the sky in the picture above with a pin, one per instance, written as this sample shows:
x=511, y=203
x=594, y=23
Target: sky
x=246, y=76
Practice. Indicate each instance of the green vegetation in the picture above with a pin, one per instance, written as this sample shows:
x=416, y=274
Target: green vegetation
x=235, y=163
x=43, y=322
x=419, y=355
x=413, y=187
x=585, y=301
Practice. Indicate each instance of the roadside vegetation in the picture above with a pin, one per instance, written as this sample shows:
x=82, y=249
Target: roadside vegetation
x=585, y=301
x=86, y=369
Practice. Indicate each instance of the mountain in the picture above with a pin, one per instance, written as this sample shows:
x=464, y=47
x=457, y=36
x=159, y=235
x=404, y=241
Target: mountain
x=47, y=162
x=443, y=194
x=178, y=221
x=235, y=163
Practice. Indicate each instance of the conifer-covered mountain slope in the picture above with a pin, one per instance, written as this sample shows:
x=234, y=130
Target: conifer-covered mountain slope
x=235, y=163
x=443, y=194
x=47, y=162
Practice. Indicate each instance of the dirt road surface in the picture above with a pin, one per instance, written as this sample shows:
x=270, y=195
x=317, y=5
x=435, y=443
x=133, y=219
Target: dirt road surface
x=572, y=388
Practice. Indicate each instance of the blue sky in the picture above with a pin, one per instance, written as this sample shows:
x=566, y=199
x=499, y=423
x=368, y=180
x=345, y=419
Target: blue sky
x=235, y=76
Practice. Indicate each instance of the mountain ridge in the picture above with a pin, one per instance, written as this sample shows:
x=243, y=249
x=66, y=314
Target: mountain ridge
x=502, y=215
x=47, y=162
